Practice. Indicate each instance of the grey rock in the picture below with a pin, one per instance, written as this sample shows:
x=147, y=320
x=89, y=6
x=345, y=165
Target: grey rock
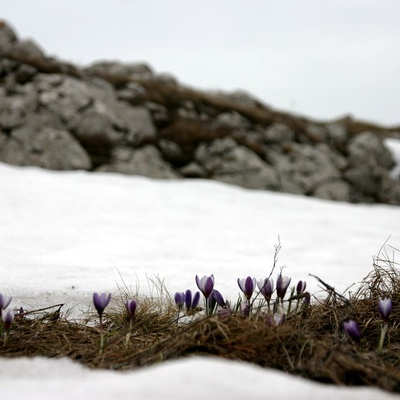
x=370, y=146
x=47, y=148
x=317, y=133
x=14, y=109
x=27, y=49
x=306, y=167
x=338, y=134
x=369, y=164
x=25, y=73
x=231, y=120
x=193, y=170
x=136, y=121
x=159, y=113
x=278, y=133
x=128, y=70
x=92, y=126
x=132, y=92
x=334, y=190
x=145, y=161
x=63, y=95
x=7, y=37
x=225, y=161
x=240, y=97
x=170, y=150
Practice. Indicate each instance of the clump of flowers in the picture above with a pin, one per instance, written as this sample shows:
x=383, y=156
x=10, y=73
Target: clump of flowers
x=187, y=300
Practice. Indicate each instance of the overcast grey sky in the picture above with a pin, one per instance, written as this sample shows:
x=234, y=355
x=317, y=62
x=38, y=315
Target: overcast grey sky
x=319, y=58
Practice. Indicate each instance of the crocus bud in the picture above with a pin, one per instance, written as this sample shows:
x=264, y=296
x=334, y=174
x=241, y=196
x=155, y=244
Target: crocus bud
x=301, y=287
x=4, y=302
x=217, y=296
x=385, y=308
x=188, y=299
x=247, y=286
x=205, y=284
x=8, y=317
x=179, y=299
x=282, y=285
x=131, y=308
x=101, y=301
x=352, y=329
x=266, y=287
x=195, y=300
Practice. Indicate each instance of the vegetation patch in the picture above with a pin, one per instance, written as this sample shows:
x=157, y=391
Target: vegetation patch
x=340, y=339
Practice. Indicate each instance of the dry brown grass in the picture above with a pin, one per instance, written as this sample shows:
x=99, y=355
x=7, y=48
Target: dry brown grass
x=311, y=343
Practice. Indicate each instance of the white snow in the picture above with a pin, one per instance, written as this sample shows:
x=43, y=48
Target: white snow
x=64, y=235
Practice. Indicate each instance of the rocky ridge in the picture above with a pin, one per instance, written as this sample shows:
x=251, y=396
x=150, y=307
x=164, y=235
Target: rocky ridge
x=125, y=118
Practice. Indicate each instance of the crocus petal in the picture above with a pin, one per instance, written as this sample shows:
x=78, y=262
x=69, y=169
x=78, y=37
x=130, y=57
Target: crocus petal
x=188, y=299
x=196, y=299
x=131, y=307
x=266, y=287
x=249, y=286
x=385, y=308
x=179, y=298
x=282, y=285
x=217, y=296
x=241, y=284
x=101, y=301
x=301, y=287
x=352, y=329
x=205, y=284
x=4, y=302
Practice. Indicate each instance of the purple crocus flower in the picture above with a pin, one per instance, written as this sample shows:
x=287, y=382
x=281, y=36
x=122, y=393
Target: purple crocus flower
x=352, y=329
x=131, y=308
x=214, y=299
x=282, y=285
x=4, y=302
x=8, y=317
x=301, y=287
x=217, y=296
x=191, y=302
x=266, y=288
x=247, y=286
x=385, y=308
x=101, y=301
x=179, y=299
x=205, y=284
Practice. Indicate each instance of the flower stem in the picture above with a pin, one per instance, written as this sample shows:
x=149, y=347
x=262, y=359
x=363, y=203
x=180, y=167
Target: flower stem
x=382, y=337
x=128, y=335
x=101, y=347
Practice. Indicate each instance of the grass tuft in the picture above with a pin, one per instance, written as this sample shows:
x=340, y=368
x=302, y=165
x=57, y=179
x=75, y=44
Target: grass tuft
x=310, y=343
